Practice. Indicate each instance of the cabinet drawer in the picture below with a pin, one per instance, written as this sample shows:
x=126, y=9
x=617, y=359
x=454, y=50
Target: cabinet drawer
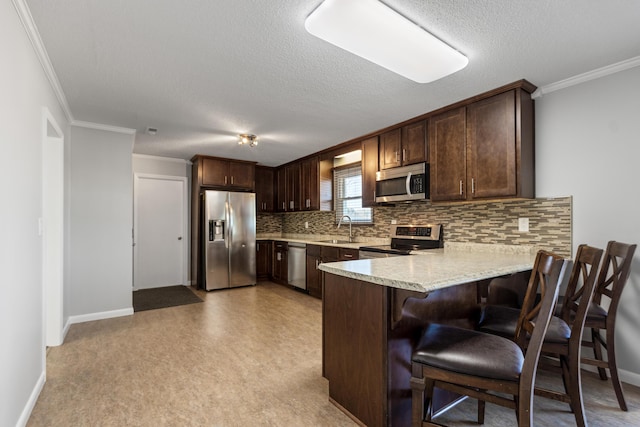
x=314, y=250
x=346, y=254
x=329, y=254
x=280, y=245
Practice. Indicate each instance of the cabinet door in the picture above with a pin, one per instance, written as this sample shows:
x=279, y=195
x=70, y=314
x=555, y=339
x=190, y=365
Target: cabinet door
x=491, y=142
x=281, y=190
x=390, y=155
x=215, y=172
x=263, y=259
x=414, y=143
x=280, y=270
x=314, y=275
x=310, y=180
x=447, y=155
x=242, y=175
x=264, y=189
x=293, y=187
x=369, y=169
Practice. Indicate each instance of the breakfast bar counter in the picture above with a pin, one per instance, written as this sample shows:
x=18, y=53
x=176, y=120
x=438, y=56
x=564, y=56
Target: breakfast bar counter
x=374, y=311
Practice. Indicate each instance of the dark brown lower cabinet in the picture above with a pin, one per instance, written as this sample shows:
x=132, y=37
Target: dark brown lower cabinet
x=316, y=255
x=279, y=273
x=263, y=259
x=314, y=276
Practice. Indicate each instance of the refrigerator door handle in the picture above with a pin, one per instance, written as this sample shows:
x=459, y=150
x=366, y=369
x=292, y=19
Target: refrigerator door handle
x=230, y=225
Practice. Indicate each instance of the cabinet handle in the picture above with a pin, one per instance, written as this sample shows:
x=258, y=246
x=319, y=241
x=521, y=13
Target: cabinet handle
x=291, y=205
x=348, y=256
x=397, y=157
x=225, y=180
x=461, y=187
x=231, y=180
x=404, y=155
x=473, y=186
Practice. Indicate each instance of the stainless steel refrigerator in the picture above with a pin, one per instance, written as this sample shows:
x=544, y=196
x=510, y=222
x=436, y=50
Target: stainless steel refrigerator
x=229, y=239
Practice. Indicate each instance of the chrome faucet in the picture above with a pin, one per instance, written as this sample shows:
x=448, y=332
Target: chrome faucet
x=340, y=223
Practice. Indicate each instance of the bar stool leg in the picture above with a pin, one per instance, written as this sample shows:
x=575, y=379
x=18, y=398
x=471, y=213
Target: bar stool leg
x=613, y=368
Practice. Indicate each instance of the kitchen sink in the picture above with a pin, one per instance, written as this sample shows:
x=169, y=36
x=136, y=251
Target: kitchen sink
x=334, y=241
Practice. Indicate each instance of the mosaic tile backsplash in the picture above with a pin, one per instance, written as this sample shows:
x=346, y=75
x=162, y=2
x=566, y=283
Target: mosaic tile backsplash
x=477, y=222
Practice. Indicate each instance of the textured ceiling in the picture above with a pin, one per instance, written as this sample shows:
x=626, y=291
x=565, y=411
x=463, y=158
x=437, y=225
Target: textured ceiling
x=203, y=71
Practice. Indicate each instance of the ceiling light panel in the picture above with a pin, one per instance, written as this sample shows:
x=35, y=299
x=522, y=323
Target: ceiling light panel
x=379, y=34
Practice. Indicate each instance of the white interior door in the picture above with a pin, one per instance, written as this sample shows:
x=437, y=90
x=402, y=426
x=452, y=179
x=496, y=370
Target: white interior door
x=159, y=231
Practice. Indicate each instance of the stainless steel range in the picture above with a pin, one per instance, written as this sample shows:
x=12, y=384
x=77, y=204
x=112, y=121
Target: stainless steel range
x=404, y=239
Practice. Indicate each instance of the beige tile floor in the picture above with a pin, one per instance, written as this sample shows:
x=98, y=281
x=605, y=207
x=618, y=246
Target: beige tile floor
x=244, y=357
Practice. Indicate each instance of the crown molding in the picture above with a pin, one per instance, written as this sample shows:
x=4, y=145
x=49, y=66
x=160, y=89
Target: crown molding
x=589, y=75
x=98, y=126
x=34, y=36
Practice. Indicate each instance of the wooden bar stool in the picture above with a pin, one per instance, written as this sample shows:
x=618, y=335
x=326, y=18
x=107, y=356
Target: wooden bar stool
x=564, y=335
x=478, y=364
x=613, y=276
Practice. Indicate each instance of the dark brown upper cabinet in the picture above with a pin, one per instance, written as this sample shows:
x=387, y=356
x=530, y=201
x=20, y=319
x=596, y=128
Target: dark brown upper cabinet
x=369, y=169
x=484, y=150
x=404, y=145
x=225, y=173
x=264, y=189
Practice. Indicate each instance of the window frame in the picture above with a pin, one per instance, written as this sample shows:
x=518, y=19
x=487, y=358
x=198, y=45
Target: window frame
x=344, y=172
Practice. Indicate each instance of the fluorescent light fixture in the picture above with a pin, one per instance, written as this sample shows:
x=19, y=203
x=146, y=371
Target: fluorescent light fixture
x=379, y=34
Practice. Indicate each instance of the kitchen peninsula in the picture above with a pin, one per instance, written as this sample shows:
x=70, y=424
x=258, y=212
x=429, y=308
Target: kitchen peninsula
x=374, y=311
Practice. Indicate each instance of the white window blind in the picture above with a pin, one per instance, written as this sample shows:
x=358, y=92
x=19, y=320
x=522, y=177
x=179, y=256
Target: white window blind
x=347, y=184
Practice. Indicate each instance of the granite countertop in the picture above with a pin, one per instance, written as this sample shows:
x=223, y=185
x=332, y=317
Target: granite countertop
x=437, y=268
x=320, y=240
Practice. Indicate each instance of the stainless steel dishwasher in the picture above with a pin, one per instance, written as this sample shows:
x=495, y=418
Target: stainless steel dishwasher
x=297, y=265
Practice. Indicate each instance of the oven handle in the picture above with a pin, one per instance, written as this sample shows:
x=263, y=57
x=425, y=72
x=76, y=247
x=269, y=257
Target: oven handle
x=408, y=184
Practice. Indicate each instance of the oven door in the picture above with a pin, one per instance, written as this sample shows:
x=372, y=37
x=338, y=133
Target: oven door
x=401, y=184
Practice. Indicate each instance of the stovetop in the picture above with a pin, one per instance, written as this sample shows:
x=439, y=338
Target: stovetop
x=407, y=238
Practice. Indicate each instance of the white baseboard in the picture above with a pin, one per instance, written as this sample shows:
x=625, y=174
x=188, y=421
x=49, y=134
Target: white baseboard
x=33, y=398
x=65, y=330
x=100, y=316
x=627, y=377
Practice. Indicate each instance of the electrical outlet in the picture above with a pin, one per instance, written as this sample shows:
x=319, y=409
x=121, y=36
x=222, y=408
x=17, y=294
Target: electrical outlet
x=523, y=225
x=306, y=224
x=394, y=221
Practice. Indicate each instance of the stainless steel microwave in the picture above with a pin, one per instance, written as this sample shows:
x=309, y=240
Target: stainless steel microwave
x=402, y=184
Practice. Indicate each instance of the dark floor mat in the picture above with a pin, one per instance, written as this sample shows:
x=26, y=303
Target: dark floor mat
x=169, y=296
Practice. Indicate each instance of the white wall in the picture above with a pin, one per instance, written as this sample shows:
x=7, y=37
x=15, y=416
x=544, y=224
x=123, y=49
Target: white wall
x=161, y=166
x=25, y=91
x=587, y=146
x=101, y=199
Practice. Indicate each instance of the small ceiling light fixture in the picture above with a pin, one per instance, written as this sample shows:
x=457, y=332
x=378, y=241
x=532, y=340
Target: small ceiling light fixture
x=248, y=139
x=379, y=34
